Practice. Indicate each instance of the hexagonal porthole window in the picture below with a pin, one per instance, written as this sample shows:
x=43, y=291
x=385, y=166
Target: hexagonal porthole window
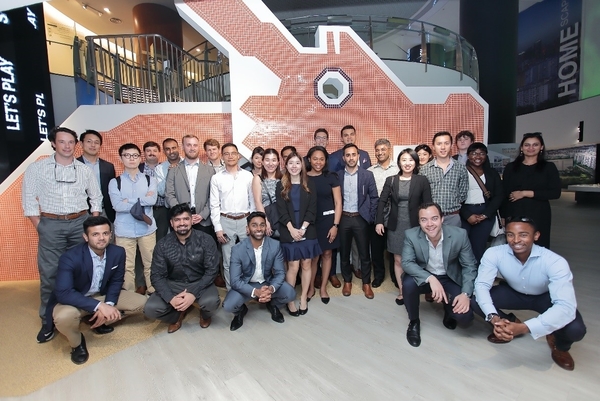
x=333, y=88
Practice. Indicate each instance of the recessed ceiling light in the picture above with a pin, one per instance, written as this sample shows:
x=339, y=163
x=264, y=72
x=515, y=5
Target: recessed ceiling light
x=107, y=9
x=116, y=20
x=198, y=49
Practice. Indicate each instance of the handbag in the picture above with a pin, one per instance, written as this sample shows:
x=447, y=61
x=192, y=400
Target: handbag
x=387, y=209
x=497, y=228
x=271, y=212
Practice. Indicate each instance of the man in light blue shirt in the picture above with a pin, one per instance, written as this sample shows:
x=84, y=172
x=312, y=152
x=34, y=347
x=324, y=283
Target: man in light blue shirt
x=535, y=278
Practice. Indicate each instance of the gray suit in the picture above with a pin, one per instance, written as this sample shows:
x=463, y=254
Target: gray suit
x=177, y=189
x=242, y=268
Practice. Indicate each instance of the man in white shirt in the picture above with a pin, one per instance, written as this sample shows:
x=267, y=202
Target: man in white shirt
x=257, y=272
x=534, y=278
x=231, y=201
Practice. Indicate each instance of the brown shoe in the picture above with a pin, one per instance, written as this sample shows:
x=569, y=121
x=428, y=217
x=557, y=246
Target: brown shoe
x=335, y=282
x=141, y=290
x=428, y=297
x=177, y=325
x=368, y=291
x=358, y=274
x=204, y=323
x=495, y=340
x=347, y=290
x=317, y=282
x=219, y=282
x=561, y=358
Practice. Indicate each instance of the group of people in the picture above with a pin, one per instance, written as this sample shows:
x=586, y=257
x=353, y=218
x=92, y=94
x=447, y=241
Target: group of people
x=286, y=218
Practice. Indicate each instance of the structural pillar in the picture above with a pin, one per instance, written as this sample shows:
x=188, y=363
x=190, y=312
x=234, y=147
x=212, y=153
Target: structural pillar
x=491, y=26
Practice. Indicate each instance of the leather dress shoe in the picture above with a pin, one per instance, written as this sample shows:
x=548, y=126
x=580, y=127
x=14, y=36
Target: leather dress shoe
x=238, y=320
x=358, y=274
x=317, y=282
x=276, y=314
x=219, y=282
x=495, y=340
x=45, y=336
x=449, y=322
x=561, y=358
x=347, y=290
x=177, y=325
x=103, y=329
x=205, y=322
x=141, y=290
x=335, y=282
x=413, y=333
x=428, y=297
x=368, y=291
x=80, y=353
x=376, y=283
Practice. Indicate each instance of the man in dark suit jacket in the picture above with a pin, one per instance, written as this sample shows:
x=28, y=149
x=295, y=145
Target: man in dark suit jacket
x=260, y=279
x=90, y=281
x=438, y=259
x=359, y=207
x=336, y=159
x=91, y=142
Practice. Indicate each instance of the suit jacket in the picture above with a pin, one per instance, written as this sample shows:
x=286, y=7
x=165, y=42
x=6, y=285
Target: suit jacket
x=459, y=262
x=177, y=189
x=367, y=194
x=107, y=173
x=74, y=279
x=308, y=212
x=336, y=162
x=419, y=192
x=243, y=265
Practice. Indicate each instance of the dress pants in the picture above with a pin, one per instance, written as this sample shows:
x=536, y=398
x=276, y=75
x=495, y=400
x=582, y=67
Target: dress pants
x=354, y=228
x=234, y=300
x=504, y=297
x=454, y=220
x=161, y=216
x=378, y=245
x=67, y=317
x=478, y=233
x=157, y=308
x=146, y=245
x=412, y=291
x=55, y=237
x=236, y=230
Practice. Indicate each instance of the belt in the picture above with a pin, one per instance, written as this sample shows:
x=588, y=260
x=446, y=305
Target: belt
x=474, y=204
x=350, y=214
x=451, y=213
x=70, y=216
x=236, y=216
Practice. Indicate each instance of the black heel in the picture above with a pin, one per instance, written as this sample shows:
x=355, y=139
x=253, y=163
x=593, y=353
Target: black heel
x=295, y=314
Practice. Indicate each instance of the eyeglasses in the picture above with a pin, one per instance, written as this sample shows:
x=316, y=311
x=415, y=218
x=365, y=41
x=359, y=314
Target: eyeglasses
x=477, y=154
x=66, y=174
x=133, y=156
x=321, y=138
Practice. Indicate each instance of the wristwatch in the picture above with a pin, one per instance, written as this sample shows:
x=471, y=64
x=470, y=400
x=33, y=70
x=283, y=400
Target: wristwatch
x=336, y=225
x=490, y=316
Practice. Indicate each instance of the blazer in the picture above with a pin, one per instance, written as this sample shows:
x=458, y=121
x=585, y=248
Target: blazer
x=243, y=265
x=336, y=162
x=367, y=193
x=419, y=192
x=74, y=279
x=493, y=183
x=107, y=173
x=308, y=212
x=177, y=189
x=459, y=261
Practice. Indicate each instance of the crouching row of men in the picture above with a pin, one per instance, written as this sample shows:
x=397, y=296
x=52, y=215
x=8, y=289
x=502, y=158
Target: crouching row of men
x=90, y=280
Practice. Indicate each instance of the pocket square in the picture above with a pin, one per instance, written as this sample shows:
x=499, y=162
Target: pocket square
x=114, y=267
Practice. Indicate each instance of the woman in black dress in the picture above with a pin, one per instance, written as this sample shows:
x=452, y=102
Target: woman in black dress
x=329, y=213
x=530, y=182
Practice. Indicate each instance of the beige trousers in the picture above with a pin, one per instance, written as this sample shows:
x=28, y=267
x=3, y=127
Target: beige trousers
x=146, y=245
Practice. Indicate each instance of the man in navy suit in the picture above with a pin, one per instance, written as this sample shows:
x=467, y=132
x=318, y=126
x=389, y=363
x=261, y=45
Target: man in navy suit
x=359, y=207
x=336, y=159
x=257, y=272
x=89, y=281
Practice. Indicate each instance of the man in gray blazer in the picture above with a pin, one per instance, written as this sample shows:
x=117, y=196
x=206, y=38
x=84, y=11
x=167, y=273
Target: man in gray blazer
x=257, y=272
x=438, y=259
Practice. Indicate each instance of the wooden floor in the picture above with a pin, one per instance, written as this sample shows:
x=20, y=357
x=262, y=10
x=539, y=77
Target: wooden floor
x=355, y=349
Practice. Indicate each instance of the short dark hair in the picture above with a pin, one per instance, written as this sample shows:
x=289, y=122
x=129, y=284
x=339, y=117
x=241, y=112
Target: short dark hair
x=323, y=130
x=521, y=219
x=56, y=130
x=228, y=145
x=468, y=134
x=94, y=221
x=288, y=147
x=441, y=133
x=170, y=140
x=345, y=127
x=427, y=205
x=255, y=214
x=179, y=209
x=349, y=145
x=411, y=153
x=128, y=146
x=151, y=144
x=90, y=132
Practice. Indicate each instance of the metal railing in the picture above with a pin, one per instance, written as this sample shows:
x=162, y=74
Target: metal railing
x=397, y=39
x=149, y=69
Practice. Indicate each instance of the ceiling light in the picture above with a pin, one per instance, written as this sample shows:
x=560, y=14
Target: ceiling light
x=116, y=20
x=107, y=10
x=91, y=9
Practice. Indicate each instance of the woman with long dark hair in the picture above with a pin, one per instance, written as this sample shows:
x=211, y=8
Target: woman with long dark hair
x=297, y=206
x=405, y=191
x=529, y=183
x=264, y=185
x=256, y=160
x=478, y=213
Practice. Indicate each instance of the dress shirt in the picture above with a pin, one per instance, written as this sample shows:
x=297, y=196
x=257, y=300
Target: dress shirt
x=98, y=266
x=230, y=194
x=435, y=264
x=350, y=203
x=192, y=174
x=462, y=158
x=53, y=188
x=448, y=187
x=258, y=276
x=381, y=174
x=475, y=194
x=131, y=189
x=95, y=167
x=153, y=172
x=544, y=271
x=218, y=167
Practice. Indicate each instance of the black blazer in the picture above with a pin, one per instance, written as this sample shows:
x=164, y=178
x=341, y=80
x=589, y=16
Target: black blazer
x=493, y=183
x=419, y=192
x=107, y=173
x=308, y=212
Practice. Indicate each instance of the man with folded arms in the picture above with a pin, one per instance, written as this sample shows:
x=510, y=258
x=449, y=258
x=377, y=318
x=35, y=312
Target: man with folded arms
x=88, y=282
x=437, y=258
x=534, y=278
x=257, y=272
x=184, y=266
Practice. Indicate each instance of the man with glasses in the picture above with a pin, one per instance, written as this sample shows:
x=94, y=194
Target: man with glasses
x=231, y=201
x=55, y=197
x=133, y=194
x=534, y=278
